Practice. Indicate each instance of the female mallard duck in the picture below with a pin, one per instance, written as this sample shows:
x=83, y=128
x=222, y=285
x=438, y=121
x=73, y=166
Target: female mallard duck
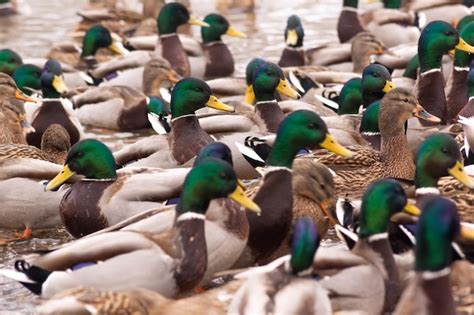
x=378, y=272
x=437, y=39
x=186, y=137
x=430, y=291
x=95, y=38
x=299, y=130
x=9, y=61
x=171, y=263
x=439, y=156
x=13, y=123
x=395, y=158
x=53, y=109
x=293, y=55
x=269, y=288
x=171, y=16
x=54, y=147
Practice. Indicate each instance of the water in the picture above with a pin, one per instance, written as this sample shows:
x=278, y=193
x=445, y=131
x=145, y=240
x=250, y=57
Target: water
x=48, y=21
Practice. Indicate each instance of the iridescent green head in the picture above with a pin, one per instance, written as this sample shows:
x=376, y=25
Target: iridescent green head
x=369, y=124
x=97, y=37
x=173, y=15
x=251, y=67
x=351, y=3
x=461, y=58
x=392, y=4
x=216, y=150
x=191, y=94
x=294, y=32
x=381, y=200
x=218, y=26
x=9, y=61
x=464, y=21
x=158, y=106
x=303, y=243
x=376, y=81
x=350, y=98
x=266, y=79
x=27, y=77
x=438, y=226
x=211, y=178
x=299, y=130
x=52, y=82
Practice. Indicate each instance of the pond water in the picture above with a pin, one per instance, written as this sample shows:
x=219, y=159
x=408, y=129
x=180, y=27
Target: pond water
x=45, y=22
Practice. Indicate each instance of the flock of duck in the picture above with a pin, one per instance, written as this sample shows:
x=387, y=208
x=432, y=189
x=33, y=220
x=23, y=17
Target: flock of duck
x=222, y=207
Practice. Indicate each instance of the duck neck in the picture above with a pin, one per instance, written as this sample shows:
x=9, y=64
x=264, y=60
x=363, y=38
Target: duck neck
x=396, y=155
x=462, y=60
x=429, y=58
x=437, y=288
x=50, y=92
x=282, y=154
x=190, y=238
x=270, y=113
x=424, y=179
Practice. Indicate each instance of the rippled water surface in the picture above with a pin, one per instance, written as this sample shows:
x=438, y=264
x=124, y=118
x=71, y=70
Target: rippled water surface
x=45, y=22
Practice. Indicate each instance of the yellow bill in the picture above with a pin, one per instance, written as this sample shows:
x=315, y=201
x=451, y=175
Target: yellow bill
x=61, y=178
x=19, y=95
x=389, y=85
x=194, y=21
x=332, y=145
x=412, y=209
x=239, y=197
x=117, y=48
x=452, y=52
x=464, y=46
x=231, y=31
x=457, y=171
x=241, y=184
x=59, y=85
x=291, y=37
x=215, y=103
x=467, y=232
x=285, y=89
x=249, y=95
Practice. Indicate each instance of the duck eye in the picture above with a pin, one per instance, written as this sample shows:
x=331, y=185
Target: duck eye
x=375, y=75
x=444, y=150
x=197, y=89
x=406, y=100
x=449, y=33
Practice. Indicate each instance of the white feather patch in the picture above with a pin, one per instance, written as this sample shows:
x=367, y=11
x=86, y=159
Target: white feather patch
x=427, y=191
x=431, y=275
x=15, y=275
x=165, y=95
x=191, y=216
x=295, y=82
x=263, y=269
x=340, y=230
x=155, y=122
x=327, y=101
x=377, y=237
x=246, y=151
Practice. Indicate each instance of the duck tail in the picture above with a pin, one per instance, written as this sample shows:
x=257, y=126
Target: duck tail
x=31, y=277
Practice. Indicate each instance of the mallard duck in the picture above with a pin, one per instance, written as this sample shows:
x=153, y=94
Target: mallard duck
x=171, y=263
x=171, y=16
x=378, y=271
x=430, y=289
x=53, y=109
x=186, y=137
x=13, y=123
x=27, y=78
x=95, y=38
x=9, y=61
x=269, y=288
x=395, y=158
x=437, y=39
x=54, y=147
x=293, y=55
x=468, y=110
x=299, y=130
x=468, y=147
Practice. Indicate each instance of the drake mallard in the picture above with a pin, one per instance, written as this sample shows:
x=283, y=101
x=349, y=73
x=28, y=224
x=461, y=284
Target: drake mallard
x=293, y=54
x=171, y=263
x=395, y=158
x=378, y=270
x=430, y=290
x=27, y=78
x=186, y=137
x=170, y=17
x=54, y=109
x=468, y=108
x=13, y=123
x=299, y=130
x=269, y=288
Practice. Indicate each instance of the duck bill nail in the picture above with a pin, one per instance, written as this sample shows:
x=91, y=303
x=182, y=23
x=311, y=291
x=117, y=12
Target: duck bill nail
x=19, y=95
x=117, y=47
x=249, y=95
x=457, y=171
x=215, y=103
x=389, y=85
x=194, y=21
x=467, y=232
x=173, y=77
x=285, y=89
x=239, y=197
x=412, y=210
x=61, y=178
x=59, y=85
x=332, y=145
x=231, y=31
x=291, y=37
x=421, y=113
x=464, y=46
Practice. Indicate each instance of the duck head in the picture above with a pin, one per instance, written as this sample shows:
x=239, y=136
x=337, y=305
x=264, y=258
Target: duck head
x=249, y=71
x=10, y=91
x=304, y=243
x=294, y=32
x=90, y=158
x=439, y=156
x=158, y=114
x=218, y=26
x=27, y=78
x=268, y=78
x=157, y=74
x=191, y=94
x=382, y=199
x=174, y=14
x=52, y=80
x=462, y=59
x=376, y=82
x=9, y=61
x=97, y=37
